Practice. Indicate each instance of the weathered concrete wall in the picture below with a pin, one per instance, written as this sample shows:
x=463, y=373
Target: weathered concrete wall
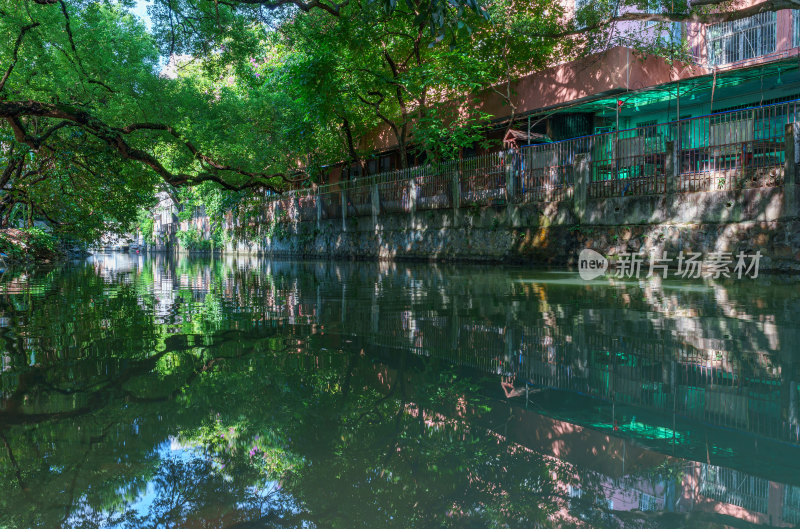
x=748, y=220
x=765, y=219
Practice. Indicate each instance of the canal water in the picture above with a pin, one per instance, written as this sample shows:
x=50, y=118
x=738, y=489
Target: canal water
x=244, y=393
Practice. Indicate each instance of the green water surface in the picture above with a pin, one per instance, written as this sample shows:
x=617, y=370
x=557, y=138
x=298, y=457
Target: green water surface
x=244, y=393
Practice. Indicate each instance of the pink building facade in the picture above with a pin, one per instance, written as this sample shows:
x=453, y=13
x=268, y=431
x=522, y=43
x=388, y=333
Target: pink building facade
x=731, y=65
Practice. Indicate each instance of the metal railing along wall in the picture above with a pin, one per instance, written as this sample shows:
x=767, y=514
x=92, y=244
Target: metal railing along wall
x=548, y=171
x=724, y=151
x=734, y=150
x=434, y=186
x=483, y=179
x=630, y=162
x=358, y=198
x=307, y=205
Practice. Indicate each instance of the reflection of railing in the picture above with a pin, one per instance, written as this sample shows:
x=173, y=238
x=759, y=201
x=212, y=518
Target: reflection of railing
x=739, y=388
x=791, y=504
x=734, y=487
x=643, y=373
x=724, y=151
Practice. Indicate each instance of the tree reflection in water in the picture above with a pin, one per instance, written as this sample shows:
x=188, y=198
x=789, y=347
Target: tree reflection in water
x=210, y=394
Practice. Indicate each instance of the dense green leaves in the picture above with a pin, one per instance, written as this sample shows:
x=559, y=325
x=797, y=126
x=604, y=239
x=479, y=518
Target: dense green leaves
x=96, y=110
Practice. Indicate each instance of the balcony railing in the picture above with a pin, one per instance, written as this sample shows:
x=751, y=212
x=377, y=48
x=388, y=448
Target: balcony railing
x=719, y=152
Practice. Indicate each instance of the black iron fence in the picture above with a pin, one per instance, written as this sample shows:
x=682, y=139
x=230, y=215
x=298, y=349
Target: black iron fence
x=724, y=151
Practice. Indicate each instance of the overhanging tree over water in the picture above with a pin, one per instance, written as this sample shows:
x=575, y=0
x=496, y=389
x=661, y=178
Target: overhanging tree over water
x=261, y=88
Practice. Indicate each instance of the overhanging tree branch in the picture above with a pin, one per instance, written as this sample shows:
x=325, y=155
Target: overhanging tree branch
x=114, y=138
x=333, y=9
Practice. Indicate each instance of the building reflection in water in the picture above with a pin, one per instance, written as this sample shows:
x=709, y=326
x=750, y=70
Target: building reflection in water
x=613, y=378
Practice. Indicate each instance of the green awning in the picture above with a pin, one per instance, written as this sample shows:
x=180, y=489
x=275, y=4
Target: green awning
x=769, y=73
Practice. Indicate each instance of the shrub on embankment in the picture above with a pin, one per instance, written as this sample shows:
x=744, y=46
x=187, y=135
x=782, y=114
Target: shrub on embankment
x=28, y=246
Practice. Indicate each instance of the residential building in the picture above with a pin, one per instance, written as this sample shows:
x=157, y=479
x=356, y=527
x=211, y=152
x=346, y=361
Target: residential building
x=734, y=65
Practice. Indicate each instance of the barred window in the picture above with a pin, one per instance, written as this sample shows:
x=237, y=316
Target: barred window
x=647, y=128
x=730, y=42
x=791, y=504
x=650, y=503
x=796, y=28
x=734, y=487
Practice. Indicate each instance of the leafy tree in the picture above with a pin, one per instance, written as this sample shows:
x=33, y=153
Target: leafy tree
x=254, y=91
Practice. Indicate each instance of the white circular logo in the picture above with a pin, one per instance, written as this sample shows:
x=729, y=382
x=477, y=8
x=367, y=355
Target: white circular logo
x=591, y=264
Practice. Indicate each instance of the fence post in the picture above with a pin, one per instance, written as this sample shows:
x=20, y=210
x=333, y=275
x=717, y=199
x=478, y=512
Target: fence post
x=582, y=179
x=294, y=207
x=276, y=209
x=513, y=161
x=412, y=195
x=376, y=203
x=790, y=202
x=456, y=187
x=343, y=197
x=318, y=204
x=670, y=177
x=511, y=180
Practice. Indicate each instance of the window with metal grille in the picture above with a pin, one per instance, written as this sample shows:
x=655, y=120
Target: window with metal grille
x=791, y=504
x=730, y=42
x=647, y=128
x=734, y=487
x=795, y=28
x=760, y=103
x=676, y=33
x=650, y=503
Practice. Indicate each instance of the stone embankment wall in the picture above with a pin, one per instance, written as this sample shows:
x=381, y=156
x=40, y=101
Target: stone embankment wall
x=748, y=219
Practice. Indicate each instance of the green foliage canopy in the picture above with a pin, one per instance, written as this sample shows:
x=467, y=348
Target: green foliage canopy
x=96, y=110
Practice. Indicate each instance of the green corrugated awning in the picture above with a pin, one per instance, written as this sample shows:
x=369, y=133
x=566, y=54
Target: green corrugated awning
x=701, y=85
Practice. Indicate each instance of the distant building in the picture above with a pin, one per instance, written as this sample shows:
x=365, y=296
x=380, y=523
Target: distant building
x=734, y=65
x=165, y=222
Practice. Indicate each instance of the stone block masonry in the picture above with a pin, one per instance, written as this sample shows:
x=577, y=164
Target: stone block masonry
x=436, y=216
x=747, y=220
